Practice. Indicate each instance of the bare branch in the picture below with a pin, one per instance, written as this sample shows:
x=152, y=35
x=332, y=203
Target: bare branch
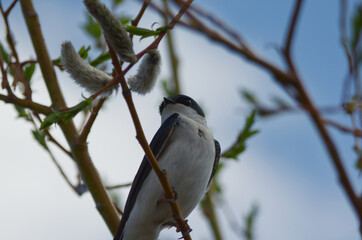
x=27, y=104
x=87, y=127
x=79, y=150
x=356, y=132
x=292, y=26
x=118, y=186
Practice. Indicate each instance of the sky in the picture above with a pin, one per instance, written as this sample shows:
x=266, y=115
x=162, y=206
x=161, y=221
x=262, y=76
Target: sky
x=285, y=170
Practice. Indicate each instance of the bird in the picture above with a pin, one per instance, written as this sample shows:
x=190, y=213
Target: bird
x=185, y=148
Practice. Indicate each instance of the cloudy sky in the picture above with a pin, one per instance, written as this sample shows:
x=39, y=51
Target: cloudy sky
x=285, y=170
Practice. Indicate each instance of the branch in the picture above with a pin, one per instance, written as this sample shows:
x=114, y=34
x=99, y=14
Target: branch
x=12, y=5
x=135, y=21
x=26, y=104
x=172, y=54
x=140, y=136
x=291, y=31
x=80, y=150
x=118, y=186
x=17, y=69
x=87, y=127
x=356, y=132
x=210, y=214
x=53, y=140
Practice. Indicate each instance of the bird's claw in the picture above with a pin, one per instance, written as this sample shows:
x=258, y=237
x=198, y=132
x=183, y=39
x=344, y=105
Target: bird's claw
x=168, y=200
x=185, y=229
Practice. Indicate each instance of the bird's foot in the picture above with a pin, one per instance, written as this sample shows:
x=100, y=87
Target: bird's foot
x=164, y=199
x=184, y=229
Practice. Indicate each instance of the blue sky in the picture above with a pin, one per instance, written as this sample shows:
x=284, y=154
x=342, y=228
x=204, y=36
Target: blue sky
x=285, y=169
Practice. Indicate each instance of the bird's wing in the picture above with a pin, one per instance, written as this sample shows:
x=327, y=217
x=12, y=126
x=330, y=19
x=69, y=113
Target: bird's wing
x=216, y=162
x=156, y=145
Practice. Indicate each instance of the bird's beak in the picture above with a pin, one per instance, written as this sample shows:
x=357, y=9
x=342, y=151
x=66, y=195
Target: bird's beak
x=169, y=100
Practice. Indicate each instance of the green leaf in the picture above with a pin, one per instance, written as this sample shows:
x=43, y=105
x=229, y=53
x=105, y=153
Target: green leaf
x=92, y=28
x=239, y=146
x=144, y=32
x=356, y=26
x=249, y=231
x=57, y=61
x=168, y=87
x=29, y=71
x=67, y=115
x=21, y=112
x=4, y=53
x=358, y=164
x=125, y=20
x=100, y=59
x=39, y=137
x=83, y=52
x=117, y=2
x=249, y=96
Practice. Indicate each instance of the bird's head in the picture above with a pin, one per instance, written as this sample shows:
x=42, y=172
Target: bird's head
x=182, y=105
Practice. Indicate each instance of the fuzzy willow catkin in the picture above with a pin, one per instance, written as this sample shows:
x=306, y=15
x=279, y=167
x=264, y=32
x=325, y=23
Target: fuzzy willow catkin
x=114, y=32
x=83, y=73
x=147, y=73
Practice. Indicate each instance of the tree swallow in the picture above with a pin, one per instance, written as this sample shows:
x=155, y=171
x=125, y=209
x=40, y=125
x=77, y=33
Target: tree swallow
x=184, y=146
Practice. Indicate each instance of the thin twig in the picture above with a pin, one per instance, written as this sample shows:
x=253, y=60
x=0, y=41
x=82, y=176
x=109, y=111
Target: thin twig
x=87, y=127
x=135, y=21
x=60, y=169
x=291, y=31
x=18, y=71
x=172, y=54
x=161, y=174
x=26, y=104
x=118, y=186
x=356, y=132
x=12, y=5
x=5, y=82
x=53, y=140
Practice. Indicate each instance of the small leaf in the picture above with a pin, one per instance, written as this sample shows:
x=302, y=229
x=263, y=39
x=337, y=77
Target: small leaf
x=100, y=59
x=83, y=52
x=168, y=87
x=125, y=20
x=117, y=2
x=92, y=28
x=249, y=231
x=57, y=61
x=29, y=71
x=67, y=115
x=138, y=31
x=250, y=97
x=21, y=112
x=356, y=26
x=358, y=164
x=239, y=146
x=4, y=53
x=39, y=137
x=144, y=32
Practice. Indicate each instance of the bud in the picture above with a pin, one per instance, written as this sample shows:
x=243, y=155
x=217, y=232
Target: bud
x=147, y=73
x=114, y=32
x=83, y=73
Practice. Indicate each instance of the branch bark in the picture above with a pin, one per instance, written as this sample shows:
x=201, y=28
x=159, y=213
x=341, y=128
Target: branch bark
x=79, y=149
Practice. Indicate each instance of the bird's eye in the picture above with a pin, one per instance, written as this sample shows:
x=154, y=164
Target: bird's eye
x=188, y=103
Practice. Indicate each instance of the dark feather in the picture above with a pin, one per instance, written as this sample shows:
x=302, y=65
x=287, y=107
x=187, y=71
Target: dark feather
x=216, y=161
